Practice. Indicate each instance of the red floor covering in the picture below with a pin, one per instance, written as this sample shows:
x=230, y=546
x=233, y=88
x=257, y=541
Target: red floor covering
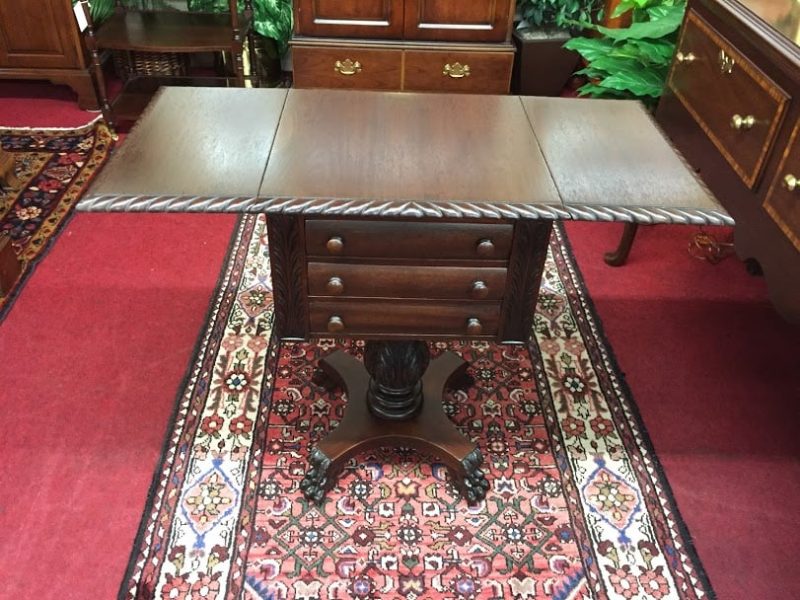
x=96, y=346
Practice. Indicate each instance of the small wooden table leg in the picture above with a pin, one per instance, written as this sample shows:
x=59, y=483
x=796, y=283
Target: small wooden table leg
x=10, y=265
x=619, y=257
x=395, y=399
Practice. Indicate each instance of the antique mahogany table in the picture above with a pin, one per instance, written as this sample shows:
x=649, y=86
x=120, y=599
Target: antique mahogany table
x=401, y=218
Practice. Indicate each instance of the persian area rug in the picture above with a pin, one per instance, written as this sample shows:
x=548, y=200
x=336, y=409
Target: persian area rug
x=578, y=507
x=54, y=167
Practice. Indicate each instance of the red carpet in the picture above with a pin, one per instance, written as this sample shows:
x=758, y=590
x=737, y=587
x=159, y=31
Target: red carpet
x=87, y=385
x=53, y=168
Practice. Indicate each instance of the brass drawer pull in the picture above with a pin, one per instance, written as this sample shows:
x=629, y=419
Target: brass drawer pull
x=335, y=245
x=456, y=70
x=347, y=67
x=689, y=57
x=739, y=123
x=479, y=290
x=725, y=63
x=474, y=326
x=485, y=247
x=335, y=324
x=789, y=182
x=335, y=286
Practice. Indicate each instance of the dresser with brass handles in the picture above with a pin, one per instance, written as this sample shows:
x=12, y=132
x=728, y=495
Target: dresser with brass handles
x=404, y=45
x=732, y=107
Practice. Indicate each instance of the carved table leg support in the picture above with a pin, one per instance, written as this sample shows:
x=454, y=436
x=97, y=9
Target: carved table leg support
x=395, y=399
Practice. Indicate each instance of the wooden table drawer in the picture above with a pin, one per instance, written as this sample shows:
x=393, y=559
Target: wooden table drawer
x=349, y=68
x=732, y=100
x=403, y=318
x=783, y=199
x=446, y=71
x=404, y=239
x=396, y=281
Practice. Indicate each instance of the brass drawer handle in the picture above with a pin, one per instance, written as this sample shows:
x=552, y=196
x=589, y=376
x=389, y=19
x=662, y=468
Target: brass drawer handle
x=335, y=324
x=456, y=70
x=335, y=286
x=725, y=63
x=689, y=57
x=479, y=290
x=739, y=123
x=347, y=67
x=335, y=245
x=485, y=247
x=474, y=326
x=789, y=182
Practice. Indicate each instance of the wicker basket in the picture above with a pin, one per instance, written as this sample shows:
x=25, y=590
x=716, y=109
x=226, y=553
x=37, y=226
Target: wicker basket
x=130, y=63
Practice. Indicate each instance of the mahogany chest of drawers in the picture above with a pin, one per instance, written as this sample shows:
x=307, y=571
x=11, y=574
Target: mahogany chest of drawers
x=413, y=45
x=732, y=107
x=389, y=278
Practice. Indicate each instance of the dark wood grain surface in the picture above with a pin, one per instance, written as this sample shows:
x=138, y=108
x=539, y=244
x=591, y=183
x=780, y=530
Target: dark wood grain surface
x=376, y=69
x=197, y=142
x=349, y=18
x=404, y=281
x=608, y=152
x=436, y=147
x=168, y=31
x=489, y=72
x=389, y=238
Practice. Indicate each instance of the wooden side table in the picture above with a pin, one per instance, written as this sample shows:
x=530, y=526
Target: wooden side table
x=401, y=218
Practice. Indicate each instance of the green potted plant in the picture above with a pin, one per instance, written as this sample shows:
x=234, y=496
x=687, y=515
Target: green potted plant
x=272, y=22
x=631, y=62
x=542, y=65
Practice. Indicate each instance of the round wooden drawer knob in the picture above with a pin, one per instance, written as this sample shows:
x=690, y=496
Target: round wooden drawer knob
x=335, y=286
x=480, y=290
x=474, y=327
x=485, y=248
x=335, y=245
x=335, y=324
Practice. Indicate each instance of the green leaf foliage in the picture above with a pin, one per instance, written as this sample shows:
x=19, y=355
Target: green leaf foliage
x=631, y=62
x=561, y=14
x=271, y=18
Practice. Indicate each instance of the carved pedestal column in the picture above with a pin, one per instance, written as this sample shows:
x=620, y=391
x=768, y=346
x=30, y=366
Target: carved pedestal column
x=395, y=399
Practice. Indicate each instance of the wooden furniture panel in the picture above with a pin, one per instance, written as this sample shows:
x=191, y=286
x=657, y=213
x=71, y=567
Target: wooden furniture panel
x=199, y=159
x=407, y=239
x=783, y=199
x=350, y=18
x=385, y=146
x=761, y=37
x=605, y=136
x=407, y=319
x=735, y=103
x=168, y=31
x=347, y=68
x=40, y=40
x=454, y=20
x=405, y=281
x=454, y=71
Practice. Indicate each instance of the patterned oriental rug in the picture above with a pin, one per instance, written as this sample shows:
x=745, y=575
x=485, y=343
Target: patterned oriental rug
x=578, y=506
x=55, y=166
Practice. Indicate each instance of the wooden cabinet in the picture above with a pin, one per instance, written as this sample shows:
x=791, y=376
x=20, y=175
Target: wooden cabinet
x=732, y=106
x=350, y=18
x=40, y=40
x=414, y=45
x=454, y=20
